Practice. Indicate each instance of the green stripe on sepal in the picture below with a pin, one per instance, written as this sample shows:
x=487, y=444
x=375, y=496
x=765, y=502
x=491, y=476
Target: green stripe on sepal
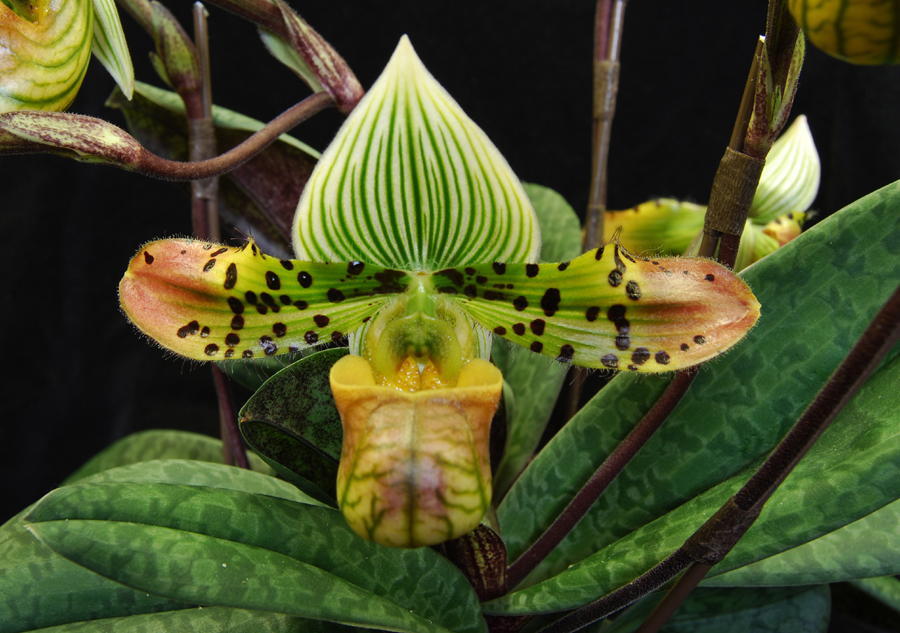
x=109, y=45
x=411, y=182
x=44, y=61
x=790, y=179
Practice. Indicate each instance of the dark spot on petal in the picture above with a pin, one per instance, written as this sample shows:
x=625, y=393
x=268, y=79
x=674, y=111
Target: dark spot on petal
x=237, y=322
x=204, y=333
x=209, y=265
x=230, y=276
x=499, y=268
x=550, y=301
x=532, y=270
x=279, y=329
x=304, y=278
x=592, y=313
x=253, y=249
x=481, y=279
x=615, y=278
x=563, y=266
x=470, y=271
x=285, y=300
x=247, y=353
x=655, y=263
x=454, y=276
x=211, y=350
x=219, y=252
x=390, y=282
x=235, y=304
x=268, y=345
x=301, y=305
x=366, y=320
x=610, y=360
x=250, y=297
x=536, y=347
x=640, y=356
x=229, y=353
x=599, y=254
x=566, y=353
x=537, y=326
x=700, y=340
x=492, y=295
x=520, y=303
x=470, y=291
x=710, y=277
x=633, y=290
x=232, y=339
x=206, y=247
x=499, y=330
x=509, y=286
x=293, y=348
x=311, y=337
x=287, y=264
x=269, y=300
x=616, y=312
x=685, y=347
x=335, y=295
x=272, y=281
x=191, y=328
x=662, y=358
x=148, y=257
x=355, y=268
x=261, y=308
x=448, y=291
x=336, y=336
x=519, y=328
x=633, y=367
x=321, y=320
x=623, y=342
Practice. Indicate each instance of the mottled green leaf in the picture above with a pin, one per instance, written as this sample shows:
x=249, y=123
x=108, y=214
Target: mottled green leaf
x=411, y=182
x=125, y=530
x=782, y=610
x=158, y=444
x=885, y=589
x=204, y=620
x=110, y=47
x=216, y=572
x=818, y=294
x=39, y=588
x=849, y=473
x=535, y=381
x=867, y=547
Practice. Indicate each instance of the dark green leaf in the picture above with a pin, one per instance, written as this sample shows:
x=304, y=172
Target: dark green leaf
x=781, y=610
x=228, y=519
x=292, y=421
x=217, y=572
x=39, y=588
x=818, y=293
x=535, y=380
x=158, y=444
x=204, y=620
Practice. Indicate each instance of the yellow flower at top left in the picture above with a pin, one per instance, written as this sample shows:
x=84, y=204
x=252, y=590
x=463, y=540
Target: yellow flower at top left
x=45, y=48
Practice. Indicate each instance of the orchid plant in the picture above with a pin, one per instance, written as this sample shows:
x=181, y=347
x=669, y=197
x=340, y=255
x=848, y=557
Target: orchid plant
x=431, y=308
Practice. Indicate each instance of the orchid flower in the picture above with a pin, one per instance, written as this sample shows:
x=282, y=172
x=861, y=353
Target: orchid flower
x=415, y=240
x=45, y=48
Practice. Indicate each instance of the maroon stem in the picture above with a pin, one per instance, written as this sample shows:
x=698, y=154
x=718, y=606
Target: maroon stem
x=231, y=437
x=601, y=479
x=153, y=165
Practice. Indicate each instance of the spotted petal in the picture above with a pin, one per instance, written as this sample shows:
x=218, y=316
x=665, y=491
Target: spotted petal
x=609, y=308
x=209, y=302
x=411, y=182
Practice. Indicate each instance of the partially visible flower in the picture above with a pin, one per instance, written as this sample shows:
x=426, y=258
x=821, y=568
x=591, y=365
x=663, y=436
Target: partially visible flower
x=787, y=187
x=856, y=31
x=45, y=48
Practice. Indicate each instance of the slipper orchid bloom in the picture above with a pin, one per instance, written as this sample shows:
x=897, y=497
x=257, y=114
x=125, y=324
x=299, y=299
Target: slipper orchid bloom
x=416, y=241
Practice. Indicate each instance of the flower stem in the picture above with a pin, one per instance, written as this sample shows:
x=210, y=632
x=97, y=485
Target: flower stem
x=153, y=165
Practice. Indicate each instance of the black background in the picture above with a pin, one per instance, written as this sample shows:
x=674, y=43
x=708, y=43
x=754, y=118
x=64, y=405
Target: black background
x=77, y=376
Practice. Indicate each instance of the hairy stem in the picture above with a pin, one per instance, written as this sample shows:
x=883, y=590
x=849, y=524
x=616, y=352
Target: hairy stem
x=153, y=165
